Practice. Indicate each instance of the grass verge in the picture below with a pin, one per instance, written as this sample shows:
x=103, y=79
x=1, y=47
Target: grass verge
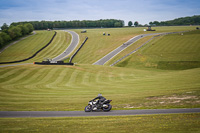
x=175, y=52
x=173, y=123
x=37, y=87
x=27, y=47
x=98, y=45
x=30, y=45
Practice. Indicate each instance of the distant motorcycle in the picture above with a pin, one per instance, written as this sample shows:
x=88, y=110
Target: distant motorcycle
x=94, y=106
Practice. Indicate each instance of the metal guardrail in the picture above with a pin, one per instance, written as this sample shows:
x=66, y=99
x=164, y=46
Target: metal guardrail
x=49, y=63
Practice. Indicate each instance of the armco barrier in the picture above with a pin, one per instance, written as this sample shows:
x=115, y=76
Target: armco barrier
x=78, y=50
x=49, y=63
x=33, y=54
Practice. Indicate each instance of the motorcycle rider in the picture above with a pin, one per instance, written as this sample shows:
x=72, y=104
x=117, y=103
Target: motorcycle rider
x=101, y=99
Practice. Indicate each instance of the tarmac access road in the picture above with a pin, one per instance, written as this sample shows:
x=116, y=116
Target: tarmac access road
x=16, y=114
x=70, y=48
x=113, y=53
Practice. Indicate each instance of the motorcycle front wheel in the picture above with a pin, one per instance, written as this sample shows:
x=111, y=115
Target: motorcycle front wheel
x=108, y=108
x=88, y=108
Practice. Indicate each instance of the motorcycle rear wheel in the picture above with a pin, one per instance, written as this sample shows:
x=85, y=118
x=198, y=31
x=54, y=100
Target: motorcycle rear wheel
x=88, y=108
x=108, y=108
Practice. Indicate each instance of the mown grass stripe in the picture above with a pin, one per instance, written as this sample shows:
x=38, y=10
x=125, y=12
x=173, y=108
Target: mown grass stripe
x=60, y=78
x=62, y=87
x=55, y=47
x=72, y=79
x=6, y=72
x=25, y=48
x=59, y=44
x=11, y=75
x=58, y=75
x=15, y=79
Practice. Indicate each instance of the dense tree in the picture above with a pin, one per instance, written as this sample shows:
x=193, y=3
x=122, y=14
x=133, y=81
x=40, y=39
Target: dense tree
x=117, y=24
x=4, y=27
x=24, y=29
x=156, y=23
x=151, y=23
x=14, y=31
x=136, y=23
x=29, y=27
x=1, y=41
x=130, y=23
x=40, y=25
x=194, y=20
x=5, y=36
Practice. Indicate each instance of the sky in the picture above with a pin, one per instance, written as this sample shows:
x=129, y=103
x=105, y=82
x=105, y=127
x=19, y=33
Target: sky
x=142, y=11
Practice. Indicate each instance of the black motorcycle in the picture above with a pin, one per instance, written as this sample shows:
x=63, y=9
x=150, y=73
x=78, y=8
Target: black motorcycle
x=94, y=106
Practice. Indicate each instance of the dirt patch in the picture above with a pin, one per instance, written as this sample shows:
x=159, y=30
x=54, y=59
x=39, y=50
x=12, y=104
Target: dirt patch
x=129, y=106
x=190, y=99
x=175, y=99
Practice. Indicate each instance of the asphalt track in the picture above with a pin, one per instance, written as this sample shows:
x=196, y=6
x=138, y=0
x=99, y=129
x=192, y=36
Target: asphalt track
x=15, y=114
x=113, y=53
x=70, y=48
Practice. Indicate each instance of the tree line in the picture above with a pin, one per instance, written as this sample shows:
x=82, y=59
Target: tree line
x=9, y=33
x=41, y=25
x=130, y=23
x=194, y=20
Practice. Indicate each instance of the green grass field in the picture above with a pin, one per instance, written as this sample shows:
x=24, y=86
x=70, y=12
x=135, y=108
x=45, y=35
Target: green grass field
x=182, y=49
x=58, y=46
x=130, y=87
x=26, y=47
x=30, y=45
x=135, y=83
x=99, y=45
x=182, y=123
x=33, y=87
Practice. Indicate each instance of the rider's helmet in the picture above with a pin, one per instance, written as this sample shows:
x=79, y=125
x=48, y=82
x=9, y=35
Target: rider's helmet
x=99, y=94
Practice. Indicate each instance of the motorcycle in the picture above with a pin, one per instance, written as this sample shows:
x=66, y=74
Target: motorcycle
x=93, y=106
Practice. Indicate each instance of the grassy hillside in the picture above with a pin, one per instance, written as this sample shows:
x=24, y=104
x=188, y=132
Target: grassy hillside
x=27, y=47
x=175, y=51
x=173, y=123
x=58, y=45
x=35, y=87
x=98, y=45
x=132, y=86
x=30, y=45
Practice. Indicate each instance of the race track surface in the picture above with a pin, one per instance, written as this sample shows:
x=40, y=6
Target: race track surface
x=70, y=48
x=5, y=114
x=109, y=56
